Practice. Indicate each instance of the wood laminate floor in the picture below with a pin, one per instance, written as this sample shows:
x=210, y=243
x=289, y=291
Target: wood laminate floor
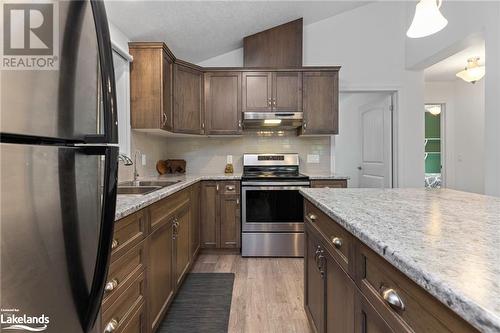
x=267, y=294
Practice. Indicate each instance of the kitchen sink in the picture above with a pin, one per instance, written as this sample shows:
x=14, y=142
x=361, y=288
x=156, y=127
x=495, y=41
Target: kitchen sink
x=140, y=183
x=137, y=189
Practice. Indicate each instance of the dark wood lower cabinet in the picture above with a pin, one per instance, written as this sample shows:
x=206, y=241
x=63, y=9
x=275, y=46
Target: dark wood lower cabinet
x=181, y=243
x=220, y=215
x=345, y=285
x=160, y=277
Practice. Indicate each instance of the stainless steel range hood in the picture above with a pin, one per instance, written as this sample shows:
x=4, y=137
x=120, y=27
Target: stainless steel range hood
x=272, y=120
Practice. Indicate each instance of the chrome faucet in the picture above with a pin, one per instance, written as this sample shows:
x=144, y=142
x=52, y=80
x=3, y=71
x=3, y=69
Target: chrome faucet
x=125, y=160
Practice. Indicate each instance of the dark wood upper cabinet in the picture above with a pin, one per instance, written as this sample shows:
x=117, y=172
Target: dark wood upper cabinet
x=278, y=47
x=287, y=91
x=188, y=99
x=151, y=85
x=257, y=91
x=320, y=102
x=223, y=103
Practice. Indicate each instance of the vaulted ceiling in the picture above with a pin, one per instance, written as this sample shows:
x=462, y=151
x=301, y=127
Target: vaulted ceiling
x=198, y=30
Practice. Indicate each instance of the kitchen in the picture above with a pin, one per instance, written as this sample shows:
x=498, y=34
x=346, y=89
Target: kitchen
x=221, y=192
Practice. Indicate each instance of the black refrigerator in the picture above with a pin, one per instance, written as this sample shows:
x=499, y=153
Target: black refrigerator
x=59, y=166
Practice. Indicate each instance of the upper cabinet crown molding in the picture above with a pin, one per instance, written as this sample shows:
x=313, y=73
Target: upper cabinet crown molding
x=278, y=47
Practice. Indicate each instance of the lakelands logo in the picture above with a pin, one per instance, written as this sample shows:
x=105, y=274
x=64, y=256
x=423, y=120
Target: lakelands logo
x=30, y=36
x=11, y=320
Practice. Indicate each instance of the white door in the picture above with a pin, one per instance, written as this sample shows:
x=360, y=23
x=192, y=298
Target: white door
x=375, y=167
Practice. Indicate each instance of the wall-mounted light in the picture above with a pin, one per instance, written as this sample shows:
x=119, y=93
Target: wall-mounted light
x=427, y=20
x=472, y=72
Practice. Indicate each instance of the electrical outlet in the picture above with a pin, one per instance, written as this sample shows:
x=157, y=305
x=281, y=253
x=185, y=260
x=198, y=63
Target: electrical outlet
x=312, y=158
x=143, y=159
x=229, y=159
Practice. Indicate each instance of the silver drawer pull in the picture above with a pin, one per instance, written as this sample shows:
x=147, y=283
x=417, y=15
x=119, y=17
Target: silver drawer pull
x=337, y=242
x=312, y=217
x=230, y=188
x=111, y=326
x=114, y=244
x=392, y=298
x=111, y=285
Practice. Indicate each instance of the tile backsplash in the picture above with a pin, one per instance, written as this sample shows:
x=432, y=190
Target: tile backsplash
x=209, y=154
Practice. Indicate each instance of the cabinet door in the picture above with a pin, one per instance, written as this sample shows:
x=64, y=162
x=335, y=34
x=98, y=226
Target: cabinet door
x=340, y=296
x=194, y=227
x=367, y=319
x=188, y=100
x=287, y=91
x=320, y=102
x=257, y=91
x=160, y=274
x=145, y=87
x=314, y=283
x=167, y=121
x=223, y=103
x=230, y=221
x=181, y=237
x=209, y=212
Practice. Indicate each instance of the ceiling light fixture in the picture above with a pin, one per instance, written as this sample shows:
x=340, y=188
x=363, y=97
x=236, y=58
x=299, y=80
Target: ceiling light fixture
x=472, y=72
x=427, y=20
x=433, y=109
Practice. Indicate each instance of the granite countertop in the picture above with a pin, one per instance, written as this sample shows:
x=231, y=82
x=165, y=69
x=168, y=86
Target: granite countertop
x=328, y=176
x=446, y=241
x=129, y=203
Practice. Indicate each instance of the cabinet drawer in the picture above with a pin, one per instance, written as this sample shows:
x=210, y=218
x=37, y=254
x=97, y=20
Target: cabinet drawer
x=123, y=271
x=329, y=183
x=137, y=322
x=229, y=187
x=339, y=241
x=129, y=231
x=120, y=313
x=421, y=312
x=160, y=211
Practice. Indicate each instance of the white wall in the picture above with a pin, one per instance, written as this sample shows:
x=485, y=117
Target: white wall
x=469, y=20
x=369, y=43
x=464, y=129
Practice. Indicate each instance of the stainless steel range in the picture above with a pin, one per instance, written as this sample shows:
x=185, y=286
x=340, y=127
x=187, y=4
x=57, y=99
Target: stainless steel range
x=272, y=208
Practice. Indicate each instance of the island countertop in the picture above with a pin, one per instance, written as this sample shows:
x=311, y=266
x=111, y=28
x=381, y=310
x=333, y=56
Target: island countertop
x=446, y=241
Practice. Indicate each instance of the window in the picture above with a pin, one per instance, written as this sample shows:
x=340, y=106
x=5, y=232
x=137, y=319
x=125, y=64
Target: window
x=122, y=71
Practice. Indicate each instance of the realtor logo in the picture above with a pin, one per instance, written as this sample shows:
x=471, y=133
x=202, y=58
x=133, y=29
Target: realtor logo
x=29, y=35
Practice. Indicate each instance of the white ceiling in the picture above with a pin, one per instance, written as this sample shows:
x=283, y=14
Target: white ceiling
x=198, y=30
x=446, y=69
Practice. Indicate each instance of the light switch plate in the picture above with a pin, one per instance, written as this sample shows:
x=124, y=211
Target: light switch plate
x=229, y=159
x=143, y=159
x=312, y=158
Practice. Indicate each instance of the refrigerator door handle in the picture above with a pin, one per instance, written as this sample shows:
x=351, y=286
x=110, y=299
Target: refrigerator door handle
x=105, y=235
x=107, y=76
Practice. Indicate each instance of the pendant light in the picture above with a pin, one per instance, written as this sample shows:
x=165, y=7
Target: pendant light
x=427, y=20
x=472, y=72
x=433, y=109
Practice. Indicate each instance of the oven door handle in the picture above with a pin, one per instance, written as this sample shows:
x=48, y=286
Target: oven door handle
x=287, y=184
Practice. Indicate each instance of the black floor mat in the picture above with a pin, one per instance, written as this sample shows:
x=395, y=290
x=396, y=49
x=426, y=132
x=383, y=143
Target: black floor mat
x=202, y=305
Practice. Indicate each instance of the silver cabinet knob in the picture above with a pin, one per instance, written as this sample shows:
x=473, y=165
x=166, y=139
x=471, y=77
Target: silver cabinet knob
x=312, y=217
x=111, y=326
x=392, y=298
x=337, y=242
x=229, y=188
x=164, y=119
x=111, y=285
x=114, y=244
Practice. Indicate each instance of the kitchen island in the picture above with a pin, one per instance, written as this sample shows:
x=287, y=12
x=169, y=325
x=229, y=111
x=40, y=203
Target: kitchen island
x=445, y=243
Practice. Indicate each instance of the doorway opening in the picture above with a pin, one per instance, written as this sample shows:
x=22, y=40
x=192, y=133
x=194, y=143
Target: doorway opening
x=363, y=149
x=434, y=145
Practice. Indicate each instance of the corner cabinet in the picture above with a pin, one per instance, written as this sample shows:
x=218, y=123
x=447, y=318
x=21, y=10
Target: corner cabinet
x=188, y=99
x=151, y=75
x=320, y=100
x=223, y=103
x=220, y=212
